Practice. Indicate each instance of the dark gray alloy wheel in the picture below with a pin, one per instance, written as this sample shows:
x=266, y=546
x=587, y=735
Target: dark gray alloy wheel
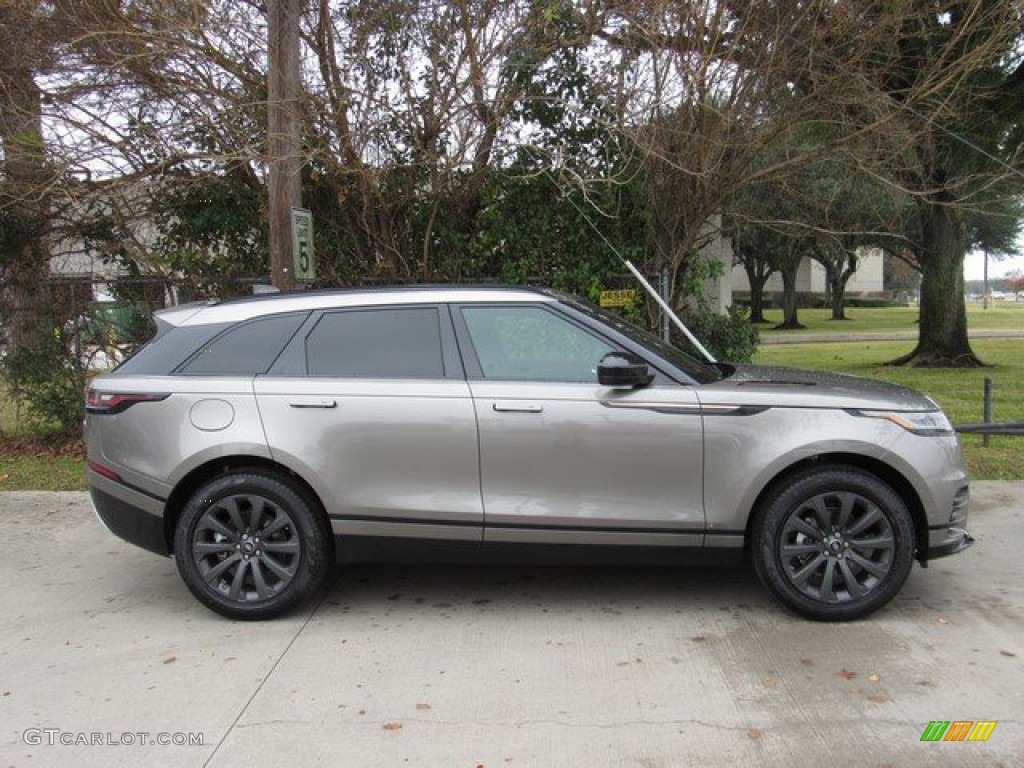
x=834, y=544
x=251, y=546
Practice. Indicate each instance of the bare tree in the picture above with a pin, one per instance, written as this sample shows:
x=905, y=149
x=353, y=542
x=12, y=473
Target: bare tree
x=724, y=97
x=26, y=177
x=419, y=102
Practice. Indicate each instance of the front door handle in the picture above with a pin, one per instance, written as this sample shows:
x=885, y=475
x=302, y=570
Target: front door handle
x=517, y=406
x=313, y=403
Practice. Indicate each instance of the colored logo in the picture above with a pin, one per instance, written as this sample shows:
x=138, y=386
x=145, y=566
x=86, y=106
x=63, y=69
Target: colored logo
x=958, y=730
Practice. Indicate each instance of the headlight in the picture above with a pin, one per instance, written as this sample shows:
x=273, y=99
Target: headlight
x=918, y=422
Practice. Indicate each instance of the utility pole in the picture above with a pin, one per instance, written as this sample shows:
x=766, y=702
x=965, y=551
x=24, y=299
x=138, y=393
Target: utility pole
x=283, y=140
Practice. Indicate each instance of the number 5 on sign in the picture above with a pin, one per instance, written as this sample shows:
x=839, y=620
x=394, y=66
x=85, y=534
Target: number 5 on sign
x=302, y=244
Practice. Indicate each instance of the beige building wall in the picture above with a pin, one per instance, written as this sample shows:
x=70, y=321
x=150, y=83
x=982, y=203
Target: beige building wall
x=811, y=276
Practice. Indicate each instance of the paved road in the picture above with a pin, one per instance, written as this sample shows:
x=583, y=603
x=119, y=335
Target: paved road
x=465, y=667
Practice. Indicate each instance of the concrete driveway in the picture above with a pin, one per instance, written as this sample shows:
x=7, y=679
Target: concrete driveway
x=468, y=667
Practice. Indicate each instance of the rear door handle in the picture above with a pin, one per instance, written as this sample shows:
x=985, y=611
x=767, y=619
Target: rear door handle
x=517, y=406
x=313, y=403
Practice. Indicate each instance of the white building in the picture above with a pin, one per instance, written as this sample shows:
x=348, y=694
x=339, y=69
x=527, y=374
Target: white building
x=811, y=276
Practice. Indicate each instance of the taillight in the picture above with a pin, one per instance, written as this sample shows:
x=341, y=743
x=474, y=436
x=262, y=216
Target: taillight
x=116, y=402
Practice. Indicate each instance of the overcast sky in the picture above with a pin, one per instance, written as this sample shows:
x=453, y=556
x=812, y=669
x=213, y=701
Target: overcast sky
x=974, y=264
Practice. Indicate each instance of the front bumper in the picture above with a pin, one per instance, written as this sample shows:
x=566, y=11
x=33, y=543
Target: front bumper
x=948, y=541
x=949, y=537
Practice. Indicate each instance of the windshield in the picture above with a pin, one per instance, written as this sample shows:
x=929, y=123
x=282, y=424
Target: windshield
x=691, y=366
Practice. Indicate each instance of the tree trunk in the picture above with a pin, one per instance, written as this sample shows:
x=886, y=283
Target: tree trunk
x=942, y=330
x=757, y=283
x=837, y=299
x=790, y=321
x=24, y=206
x=837, y=280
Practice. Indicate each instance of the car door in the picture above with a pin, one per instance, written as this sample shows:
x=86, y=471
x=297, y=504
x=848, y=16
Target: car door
x=370, y=404
x=565, y=460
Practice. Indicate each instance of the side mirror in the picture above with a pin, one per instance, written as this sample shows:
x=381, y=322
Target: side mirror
x=623, y=369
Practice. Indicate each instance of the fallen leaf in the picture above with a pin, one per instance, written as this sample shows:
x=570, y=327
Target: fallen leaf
x=392, y=726
x=754, y=734
x=769, y=682
x=422, y=707
x=846, y=674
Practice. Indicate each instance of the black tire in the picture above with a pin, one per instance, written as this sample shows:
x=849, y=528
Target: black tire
x=833, y=543
x=251, y=545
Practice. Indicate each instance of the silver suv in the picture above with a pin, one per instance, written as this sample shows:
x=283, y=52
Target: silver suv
x=258, y=440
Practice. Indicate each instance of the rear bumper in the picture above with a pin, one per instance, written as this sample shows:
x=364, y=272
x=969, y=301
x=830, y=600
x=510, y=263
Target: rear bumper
x=129, y=514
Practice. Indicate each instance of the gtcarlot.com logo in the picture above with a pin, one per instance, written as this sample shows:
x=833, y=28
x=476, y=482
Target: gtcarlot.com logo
x=958, y=730
x=58, y=737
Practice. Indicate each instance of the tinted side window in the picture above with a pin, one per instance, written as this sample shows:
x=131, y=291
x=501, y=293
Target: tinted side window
x=377, y=343
x=532, y=344
x=247, y=349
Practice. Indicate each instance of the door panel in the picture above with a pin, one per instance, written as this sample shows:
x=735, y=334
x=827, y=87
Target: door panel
x=388, y=457
x=580, y=463
x=565, y=460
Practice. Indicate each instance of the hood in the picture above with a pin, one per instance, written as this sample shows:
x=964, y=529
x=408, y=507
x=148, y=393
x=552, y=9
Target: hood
x=769, y=385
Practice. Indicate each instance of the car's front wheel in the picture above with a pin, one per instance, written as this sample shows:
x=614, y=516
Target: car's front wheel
x=251, y=545
x=833, y=543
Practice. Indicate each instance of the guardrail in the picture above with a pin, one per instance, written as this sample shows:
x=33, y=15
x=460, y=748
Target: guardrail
x=989, y=428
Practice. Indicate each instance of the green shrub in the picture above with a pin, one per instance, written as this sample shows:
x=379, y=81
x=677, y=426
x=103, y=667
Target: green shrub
x=871, y=302
x=728, y=337
x=50, y=380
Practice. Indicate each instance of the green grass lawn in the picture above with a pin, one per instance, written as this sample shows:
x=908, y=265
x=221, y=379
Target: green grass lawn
x=999, y=315
x=46, y=473
x=959, y=392
x=29, y=464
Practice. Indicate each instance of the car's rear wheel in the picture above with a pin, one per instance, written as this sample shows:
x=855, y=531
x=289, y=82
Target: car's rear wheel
x=834, y=543
x=251, y=545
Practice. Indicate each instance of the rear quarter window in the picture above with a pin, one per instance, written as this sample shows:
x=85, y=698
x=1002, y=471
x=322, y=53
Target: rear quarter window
x=246, y=349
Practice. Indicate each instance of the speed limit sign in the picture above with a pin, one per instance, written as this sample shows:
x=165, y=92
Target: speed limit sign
x=302, y=244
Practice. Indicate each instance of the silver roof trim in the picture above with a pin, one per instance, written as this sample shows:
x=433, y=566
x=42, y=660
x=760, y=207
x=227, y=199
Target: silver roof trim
x=245, y=309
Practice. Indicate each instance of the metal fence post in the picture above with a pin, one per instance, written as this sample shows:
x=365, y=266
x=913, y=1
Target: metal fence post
x=987, y=408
